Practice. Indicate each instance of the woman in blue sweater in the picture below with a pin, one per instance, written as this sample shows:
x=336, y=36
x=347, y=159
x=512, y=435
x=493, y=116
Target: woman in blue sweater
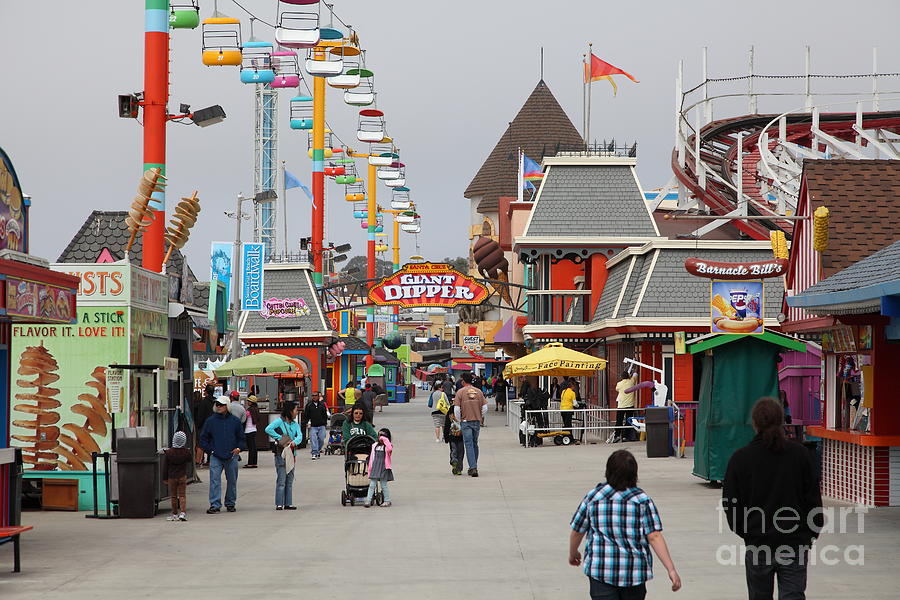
x=285, y=425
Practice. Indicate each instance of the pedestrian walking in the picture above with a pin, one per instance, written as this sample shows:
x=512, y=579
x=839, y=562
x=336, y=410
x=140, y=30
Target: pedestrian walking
x=567, y=403
x=204, y=411
x=356, y=425
x=223, y=439
x=250, y=431
x=453, y=436
x=368, y=398
x=286, y=432
x=380, y=471
x=772, y=500
x=436, y=397
x=235, y=408
x=348, y=395
x=175, y=475
x=499, y=388
x=316, y=415
x=622, y=525
x=625, y=405
x=470, y=407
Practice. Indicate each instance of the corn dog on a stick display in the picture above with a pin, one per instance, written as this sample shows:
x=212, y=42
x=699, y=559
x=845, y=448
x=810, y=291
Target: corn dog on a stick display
x=77, y=442
x=38, y=368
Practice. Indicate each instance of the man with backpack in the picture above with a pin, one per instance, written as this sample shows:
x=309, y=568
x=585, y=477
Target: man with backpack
x=470, y=407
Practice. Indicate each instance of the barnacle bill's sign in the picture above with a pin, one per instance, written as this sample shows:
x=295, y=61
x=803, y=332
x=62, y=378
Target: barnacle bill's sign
x=428, y=284
x=737, y=271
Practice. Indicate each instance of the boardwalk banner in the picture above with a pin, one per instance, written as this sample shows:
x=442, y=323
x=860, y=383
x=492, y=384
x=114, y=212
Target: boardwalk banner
x=252, y=275
x=428, y=284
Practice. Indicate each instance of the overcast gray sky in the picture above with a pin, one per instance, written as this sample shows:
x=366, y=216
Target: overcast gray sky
x=449, y=76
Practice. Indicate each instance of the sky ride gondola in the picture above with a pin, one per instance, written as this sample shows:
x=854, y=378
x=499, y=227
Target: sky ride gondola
x=370, y=127
x=364, y=93
x=184, y=15
x=411, y=227
x=256, y=62
x=355, y=192
x=392, y=171
x=360, y=210
x=407, y=217
x=400, y=199
x=287, y=69
x=349, y=77
x=302, y=112
x=296, y=28
x=382, y=153
x=221, y=41
x=349, y=175
x=330, y=66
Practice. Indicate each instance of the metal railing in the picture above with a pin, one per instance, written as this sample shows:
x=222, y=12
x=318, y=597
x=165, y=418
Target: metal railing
x=558, y=307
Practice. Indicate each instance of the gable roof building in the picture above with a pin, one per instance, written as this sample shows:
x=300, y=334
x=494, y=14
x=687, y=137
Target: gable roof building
x=540, y=128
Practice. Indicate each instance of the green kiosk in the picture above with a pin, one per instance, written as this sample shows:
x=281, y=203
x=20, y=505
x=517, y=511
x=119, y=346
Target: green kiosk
x=734, y=372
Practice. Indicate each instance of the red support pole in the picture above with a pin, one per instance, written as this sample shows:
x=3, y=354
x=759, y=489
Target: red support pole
x=156, y=95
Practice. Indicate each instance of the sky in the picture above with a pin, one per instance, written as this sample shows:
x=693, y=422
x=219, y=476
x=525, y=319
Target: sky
x=449, y=78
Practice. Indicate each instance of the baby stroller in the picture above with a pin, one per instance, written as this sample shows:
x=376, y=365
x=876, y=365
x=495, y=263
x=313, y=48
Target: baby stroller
x=335, y=434
x=356, y=470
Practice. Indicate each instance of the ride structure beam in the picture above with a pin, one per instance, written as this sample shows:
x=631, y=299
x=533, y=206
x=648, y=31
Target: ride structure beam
x=318, y=170
x=156, y=95
x=372, y=217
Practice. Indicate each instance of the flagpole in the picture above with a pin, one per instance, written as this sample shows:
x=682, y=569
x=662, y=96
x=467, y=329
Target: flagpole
x=521, y=178
x=284, y=217
x=584, y=84
x=590, y=58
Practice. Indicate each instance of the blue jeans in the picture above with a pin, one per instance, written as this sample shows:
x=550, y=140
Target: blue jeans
x=216, y=466
x=470, y=430
x=284, y=483
x=384, y=490
x=317, y=439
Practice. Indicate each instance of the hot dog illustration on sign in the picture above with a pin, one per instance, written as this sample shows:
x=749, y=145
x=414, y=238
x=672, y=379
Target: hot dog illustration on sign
x=742, y=312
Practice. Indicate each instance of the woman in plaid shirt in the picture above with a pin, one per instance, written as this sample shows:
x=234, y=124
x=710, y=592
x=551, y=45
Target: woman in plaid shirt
x=622, y=524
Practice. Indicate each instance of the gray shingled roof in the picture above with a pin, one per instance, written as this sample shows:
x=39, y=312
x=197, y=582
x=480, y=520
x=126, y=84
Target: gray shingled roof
x=283, y=284
x=106, y=229
x=604, y=200
x=201, y=294
x=673, y=291
x=881, y=267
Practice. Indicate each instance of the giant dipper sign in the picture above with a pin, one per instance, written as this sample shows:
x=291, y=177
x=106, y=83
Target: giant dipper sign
x=427, y=284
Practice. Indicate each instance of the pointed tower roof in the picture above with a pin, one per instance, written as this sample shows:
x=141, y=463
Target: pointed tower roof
x=538, y=128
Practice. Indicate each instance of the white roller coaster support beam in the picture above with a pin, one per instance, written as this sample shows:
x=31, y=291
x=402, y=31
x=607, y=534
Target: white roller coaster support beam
x=707, y=103
x=809, y=100
x=701, y=231
x=698, y=164
x=876, y=141
x=679, y=138
x=739, y=157
x=751, y=102
x=840, y=146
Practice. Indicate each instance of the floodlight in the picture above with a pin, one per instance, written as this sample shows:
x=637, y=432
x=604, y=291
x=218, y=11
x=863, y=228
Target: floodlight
x=343, y=248
x=208, y=116
x=339, y=258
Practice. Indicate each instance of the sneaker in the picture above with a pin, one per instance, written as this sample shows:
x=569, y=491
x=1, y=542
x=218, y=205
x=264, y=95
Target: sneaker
x=182, y=517
x=290, y=508
x=473, y=472
x=232, y=509
x=386, y=504
x=368, y=504
x=279, y=508
x=212, y=510
x=313, y=457
x=172, y=518
x=457, y=470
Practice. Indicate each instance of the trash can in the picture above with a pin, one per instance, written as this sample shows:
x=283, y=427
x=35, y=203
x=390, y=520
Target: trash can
x=138, y=466
x=400, y=394
x=659, y=432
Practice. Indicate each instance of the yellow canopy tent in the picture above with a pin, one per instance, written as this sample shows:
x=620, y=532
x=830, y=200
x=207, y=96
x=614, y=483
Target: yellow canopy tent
x=555, y=360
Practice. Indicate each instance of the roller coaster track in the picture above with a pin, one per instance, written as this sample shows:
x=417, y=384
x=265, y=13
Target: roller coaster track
x=751, y=165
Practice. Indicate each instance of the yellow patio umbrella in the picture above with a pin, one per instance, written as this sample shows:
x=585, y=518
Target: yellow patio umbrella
x=554, y=359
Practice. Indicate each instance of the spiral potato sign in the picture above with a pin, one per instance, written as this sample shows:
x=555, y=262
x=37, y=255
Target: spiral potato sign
x=427, y=284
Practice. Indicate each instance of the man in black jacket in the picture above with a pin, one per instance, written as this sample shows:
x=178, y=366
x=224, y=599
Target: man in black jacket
x=316, y=415
x=772, y=500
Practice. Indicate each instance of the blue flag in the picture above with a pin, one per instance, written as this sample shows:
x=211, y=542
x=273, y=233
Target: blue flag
x=292, y=182
x=529, y=166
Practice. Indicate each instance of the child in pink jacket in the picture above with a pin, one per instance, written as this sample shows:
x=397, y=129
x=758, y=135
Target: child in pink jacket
x=380, y=467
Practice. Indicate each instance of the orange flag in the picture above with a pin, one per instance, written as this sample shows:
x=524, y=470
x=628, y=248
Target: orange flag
x=600, y=69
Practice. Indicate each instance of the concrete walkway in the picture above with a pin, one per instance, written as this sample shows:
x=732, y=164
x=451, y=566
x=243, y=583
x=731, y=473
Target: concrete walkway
x=502, y=535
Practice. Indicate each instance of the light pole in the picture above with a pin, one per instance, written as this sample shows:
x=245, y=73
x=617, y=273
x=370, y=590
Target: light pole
x=238, y=215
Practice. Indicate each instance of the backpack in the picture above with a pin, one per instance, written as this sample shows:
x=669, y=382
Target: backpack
x=443, y=404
